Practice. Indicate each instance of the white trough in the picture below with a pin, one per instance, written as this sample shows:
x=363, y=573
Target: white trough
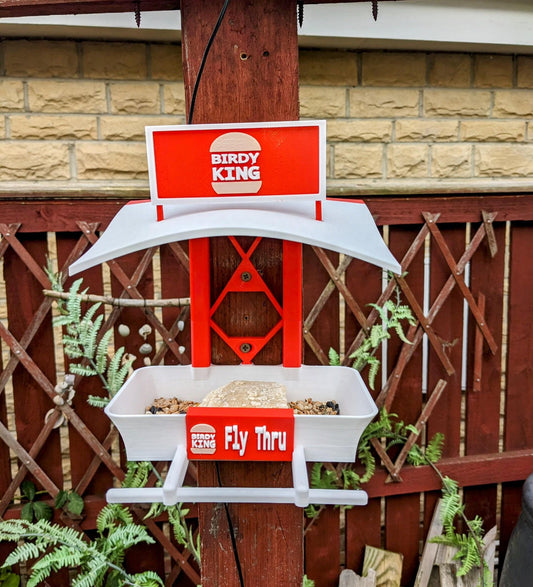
x=323, y=438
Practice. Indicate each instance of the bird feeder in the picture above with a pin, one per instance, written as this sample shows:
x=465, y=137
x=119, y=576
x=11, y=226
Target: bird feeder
x=255, y=180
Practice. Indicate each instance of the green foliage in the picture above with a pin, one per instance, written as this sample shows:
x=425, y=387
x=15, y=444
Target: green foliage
x=322, y=477
x=137, y=474
x=183, y=533
x=71, y=501
x=56, y=547
x=392, y=315
x=307, y=582
x=469, y=545
x=33, y=509
x=334, y=358
x=87, y=345
x=391, y=431
x=8, y=578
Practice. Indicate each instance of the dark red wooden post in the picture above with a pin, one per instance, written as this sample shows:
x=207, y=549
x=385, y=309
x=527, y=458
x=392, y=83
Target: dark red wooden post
x=251, y=75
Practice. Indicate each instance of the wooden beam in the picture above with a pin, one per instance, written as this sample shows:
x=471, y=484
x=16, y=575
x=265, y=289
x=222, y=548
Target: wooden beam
x=15, y=8
x=250, y=75
x=468, y=471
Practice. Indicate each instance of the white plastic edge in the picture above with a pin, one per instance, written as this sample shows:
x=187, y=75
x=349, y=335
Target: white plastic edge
x=346, y=227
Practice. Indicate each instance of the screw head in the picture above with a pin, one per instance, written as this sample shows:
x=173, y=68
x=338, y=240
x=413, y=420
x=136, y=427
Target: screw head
x=246, y=347
x=246, y=276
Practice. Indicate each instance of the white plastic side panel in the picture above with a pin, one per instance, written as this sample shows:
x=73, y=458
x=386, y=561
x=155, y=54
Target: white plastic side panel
x=156, y=437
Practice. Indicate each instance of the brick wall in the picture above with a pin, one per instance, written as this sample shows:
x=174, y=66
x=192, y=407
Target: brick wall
x=72, y=116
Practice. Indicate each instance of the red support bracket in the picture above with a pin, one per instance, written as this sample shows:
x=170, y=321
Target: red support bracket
x=202, y=312
x=200, y=287
x=292, y=304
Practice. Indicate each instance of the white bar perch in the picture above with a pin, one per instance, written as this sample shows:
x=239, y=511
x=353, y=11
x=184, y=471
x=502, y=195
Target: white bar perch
x=173, y=492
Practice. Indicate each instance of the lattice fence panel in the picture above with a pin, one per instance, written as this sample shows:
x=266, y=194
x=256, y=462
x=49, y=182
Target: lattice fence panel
x=466, y=372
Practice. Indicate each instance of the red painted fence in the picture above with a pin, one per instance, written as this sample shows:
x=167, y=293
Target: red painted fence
x=467, y=281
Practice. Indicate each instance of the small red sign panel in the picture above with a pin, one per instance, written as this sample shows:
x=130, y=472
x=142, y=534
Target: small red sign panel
x=240, y=434
x=251, y=161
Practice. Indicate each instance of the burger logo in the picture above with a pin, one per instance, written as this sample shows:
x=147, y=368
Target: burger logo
x=202, y=439
x=234, y=163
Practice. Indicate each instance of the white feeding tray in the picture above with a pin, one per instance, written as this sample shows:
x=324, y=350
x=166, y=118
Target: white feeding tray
x=156, y=437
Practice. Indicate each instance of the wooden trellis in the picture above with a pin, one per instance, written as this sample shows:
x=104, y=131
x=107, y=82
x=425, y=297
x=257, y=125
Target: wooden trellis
x=28, y=373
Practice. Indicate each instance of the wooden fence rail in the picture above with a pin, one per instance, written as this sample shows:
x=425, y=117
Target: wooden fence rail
x=466, y=372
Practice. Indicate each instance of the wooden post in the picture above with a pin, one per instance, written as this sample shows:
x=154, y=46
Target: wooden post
x=251, y=75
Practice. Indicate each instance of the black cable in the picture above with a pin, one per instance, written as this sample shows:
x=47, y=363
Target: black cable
x=231, y=533
x=204, y=59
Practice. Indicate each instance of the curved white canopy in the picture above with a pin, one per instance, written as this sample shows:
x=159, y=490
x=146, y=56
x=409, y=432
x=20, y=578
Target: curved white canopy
x=346, y=227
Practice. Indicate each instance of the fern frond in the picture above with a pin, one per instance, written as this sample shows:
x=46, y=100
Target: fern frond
x=433, y=452
x=24, y=552
x=137, y=474
x=155, y=510
x=377, y=335
x=351, y=479
x=398, y=328
x=101, y=352
x=93, y=577
x=97, y=402
x=91, y=312
x=110, y=515
x=59, y=558
x=116, y=373
x=373, y=371
x=315, y=474
x=73, y=305
x=124, y=537
x=382, y=310
x=147, y=579
x=334, y=357
x=367, y=459
x=117, y=378
x=89, y=334
x=83, y=370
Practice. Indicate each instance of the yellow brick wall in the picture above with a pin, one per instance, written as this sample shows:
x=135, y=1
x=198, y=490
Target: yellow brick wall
x=72, y=116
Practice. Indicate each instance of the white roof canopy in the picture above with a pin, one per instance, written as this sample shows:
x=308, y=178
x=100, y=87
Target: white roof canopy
x=346, y=227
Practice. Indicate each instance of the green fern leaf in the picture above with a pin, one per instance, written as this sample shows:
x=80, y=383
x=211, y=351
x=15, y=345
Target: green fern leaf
x=137, y=474
x=23, y=553
x=382, y=310
x=316, y=474
x=83, y=370
x=114, y=372
x=156, y=509
x=433, y=452
x=147, y=579
x=91, y=312
x=111, y=514
x=73, y=305
x=334, y=357
x=90, y=334
x=97, y=402
x=400, y=333
x=120, y=376
x=101, y=352
x=374, y=370
x=351, y=479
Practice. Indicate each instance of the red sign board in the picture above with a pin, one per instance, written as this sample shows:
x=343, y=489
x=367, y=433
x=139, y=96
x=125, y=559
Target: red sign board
x=276, y=159
x=240, y=434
